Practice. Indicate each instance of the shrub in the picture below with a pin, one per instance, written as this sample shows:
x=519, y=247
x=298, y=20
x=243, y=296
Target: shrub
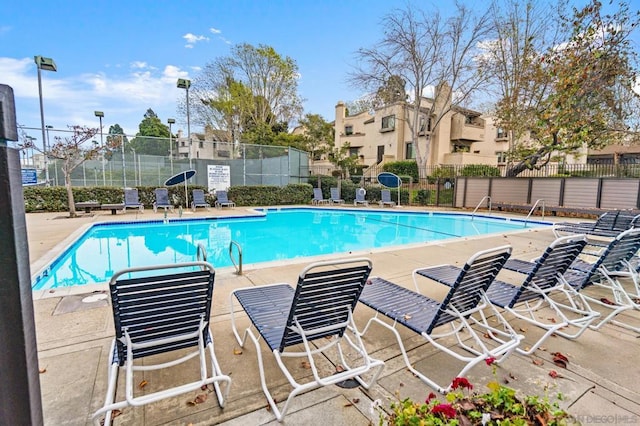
x=403, y=169
x=499, y=406
x=479, y=170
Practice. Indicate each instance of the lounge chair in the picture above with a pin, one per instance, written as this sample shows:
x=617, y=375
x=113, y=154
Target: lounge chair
x=198, y=200
x=360, y=193
x=613, y=275
x=544, y=287
x=335, y=196
x=318, y=310
x=162, y=200
x=131, y=199
x=424, y=315
x=385, y=194
x=318, y=198
x=609, y=224
x=159, y=310
x=222, y=200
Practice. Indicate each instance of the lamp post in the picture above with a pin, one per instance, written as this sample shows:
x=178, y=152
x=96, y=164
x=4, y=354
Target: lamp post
x=170, y=121
x=100, y=114
x=183, y=83
x=46, y=64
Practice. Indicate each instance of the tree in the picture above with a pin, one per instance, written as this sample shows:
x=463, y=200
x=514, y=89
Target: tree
x=393, y=90
x=72, y=151
x=340, y=157
x=152, y=136
x=426, y=52
x=254, y=85
x=580, y=92
x=522, y=30
x=115, y=139
x=318, y=135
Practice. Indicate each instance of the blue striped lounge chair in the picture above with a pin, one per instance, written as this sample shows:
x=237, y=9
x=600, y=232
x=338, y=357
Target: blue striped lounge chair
x=318, y=312
x=165, y=310
x=544, y=287
x=424, y=315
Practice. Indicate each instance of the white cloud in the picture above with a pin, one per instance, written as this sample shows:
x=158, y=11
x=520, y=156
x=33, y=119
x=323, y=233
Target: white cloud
x=192, y=39
x=5, y=29
x=71, y=99
x=215, y=30
x=138, y=64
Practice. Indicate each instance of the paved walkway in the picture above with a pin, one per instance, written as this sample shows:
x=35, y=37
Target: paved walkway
x=601, y=378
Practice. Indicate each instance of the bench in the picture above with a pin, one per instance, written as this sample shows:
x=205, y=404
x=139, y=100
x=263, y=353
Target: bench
x=87, y=206
x=552, y=210
x=113, y=207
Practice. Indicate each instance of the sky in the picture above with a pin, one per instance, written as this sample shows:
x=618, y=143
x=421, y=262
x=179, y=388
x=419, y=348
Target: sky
x=123, y=57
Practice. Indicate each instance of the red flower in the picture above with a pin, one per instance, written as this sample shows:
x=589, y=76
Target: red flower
x=490, y=360
x=430, y=397
x=446, y=410
x=461, y=382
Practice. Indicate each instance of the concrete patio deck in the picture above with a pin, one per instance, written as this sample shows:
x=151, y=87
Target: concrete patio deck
x=599, y=385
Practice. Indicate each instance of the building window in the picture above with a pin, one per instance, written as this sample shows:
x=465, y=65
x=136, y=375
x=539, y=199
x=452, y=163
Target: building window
x=182, y=143
x=353, y=152
x=410, y=154
x=460, y=148
x=201, y=144
x=348, y=130
x=502, y=157
x=389, y=122
x=501, y=133
x=425, y=125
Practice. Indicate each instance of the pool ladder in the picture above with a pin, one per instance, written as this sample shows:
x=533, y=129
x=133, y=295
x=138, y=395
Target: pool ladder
x=202, y=255
x=486, y=197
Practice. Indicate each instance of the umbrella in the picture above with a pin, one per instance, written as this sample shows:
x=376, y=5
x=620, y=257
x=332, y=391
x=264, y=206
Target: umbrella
x=179, y=178
x=390, y=180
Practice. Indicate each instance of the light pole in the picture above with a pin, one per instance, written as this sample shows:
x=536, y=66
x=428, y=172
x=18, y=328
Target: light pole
x=46, y=64
x=170, y=121
x=100, y=114
x=183, y=83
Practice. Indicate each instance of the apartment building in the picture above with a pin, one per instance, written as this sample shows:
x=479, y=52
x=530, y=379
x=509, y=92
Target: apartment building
x=462, y=137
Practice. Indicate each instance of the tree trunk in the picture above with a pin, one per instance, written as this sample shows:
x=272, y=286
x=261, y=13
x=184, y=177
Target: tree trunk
x=72, y=203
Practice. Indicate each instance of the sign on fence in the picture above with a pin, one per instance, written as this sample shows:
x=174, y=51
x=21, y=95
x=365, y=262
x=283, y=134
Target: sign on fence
x=29, y=176
x=219, y=177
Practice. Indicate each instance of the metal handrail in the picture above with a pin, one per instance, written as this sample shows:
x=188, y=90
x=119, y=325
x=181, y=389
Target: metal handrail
x=201, y=253
x=238, y=265
x=533, y=209
x=486, y=197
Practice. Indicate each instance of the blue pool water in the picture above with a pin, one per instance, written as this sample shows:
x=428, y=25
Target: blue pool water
x=277, y=234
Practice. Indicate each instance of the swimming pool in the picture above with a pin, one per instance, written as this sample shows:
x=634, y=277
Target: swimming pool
x=269, y=235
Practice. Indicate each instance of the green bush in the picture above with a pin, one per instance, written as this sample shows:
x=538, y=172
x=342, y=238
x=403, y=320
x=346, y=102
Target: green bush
x=422, y=197
x=403, y=169
x=479, y=170
x=263, y=195
x=54, y=198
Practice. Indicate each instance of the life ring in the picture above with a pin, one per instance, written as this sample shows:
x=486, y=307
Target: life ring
x=362, y=191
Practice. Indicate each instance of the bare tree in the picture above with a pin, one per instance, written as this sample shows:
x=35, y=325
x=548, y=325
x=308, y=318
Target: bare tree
x=429, y=53
x=567, y=80
x=72, y=151
x=255, y=84
x=524, y=30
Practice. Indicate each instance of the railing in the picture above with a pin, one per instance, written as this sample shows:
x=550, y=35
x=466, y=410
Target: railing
x=201, y=253
x=533, y=209
x=486, y=197
x=237, y=265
